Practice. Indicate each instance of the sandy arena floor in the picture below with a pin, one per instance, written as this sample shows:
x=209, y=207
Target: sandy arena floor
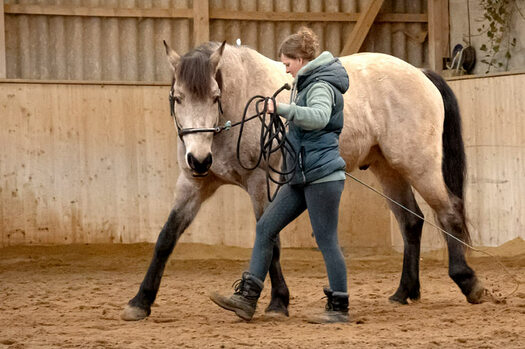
x=72, y=296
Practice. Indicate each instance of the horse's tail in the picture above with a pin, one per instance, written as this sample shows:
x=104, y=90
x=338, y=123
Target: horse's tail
x=454, y=163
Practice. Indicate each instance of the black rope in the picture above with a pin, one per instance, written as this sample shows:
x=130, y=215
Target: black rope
x=272, y=139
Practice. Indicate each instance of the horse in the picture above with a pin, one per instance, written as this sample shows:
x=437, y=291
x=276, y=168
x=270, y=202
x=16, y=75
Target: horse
x=401, y=122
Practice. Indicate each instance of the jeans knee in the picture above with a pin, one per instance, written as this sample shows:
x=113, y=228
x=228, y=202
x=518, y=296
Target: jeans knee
x=263, y=234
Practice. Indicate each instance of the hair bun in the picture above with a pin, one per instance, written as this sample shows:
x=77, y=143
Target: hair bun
x=303, y=44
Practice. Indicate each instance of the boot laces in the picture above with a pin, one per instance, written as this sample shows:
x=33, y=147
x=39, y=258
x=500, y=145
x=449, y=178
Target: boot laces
x=238, y=286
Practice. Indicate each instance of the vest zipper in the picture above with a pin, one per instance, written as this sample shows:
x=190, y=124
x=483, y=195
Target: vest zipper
x=301, y=163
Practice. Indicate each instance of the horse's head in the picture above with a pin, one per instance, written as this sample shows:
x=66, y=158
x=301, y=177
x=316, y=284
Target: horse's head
x=195, y=95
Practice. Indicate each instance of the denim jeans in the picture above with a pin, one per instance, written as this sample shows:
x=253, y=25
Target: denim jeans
x=322, y=201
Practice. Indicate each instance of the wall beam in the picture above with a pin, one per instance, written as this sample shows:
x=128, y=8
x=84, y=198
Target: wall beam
x=201, y=22
x=438, y=33
x=3, y=74
x=362, y=27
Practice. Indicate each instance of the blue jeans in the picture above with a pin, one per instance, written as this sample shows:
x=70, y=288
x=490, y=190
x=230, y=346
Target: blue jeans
x=322, y=201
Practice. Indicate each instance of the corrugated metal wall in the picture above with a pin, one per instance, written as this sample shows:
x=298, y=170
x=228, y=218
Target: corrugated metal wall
x=94, y=48
x=130, y=49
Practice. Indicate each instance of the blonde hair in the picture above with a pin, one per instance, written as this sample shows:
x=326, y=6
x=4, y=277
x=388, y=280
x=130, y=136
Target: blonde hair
x=303, y=44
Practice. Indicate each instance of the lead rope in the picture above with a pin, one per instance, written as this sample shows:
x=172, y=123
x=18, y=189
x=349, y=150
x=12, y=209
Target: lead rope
x=512, y=277
x=272, y=139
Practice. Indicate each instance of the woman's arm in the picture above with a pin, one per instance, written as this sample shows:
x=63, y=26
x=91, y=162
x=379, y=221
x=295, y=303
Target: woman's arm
x=316, y=114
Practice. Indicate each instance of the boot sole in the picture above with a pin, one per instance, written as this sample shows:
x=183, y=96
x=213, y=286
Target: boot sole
x=217, y=299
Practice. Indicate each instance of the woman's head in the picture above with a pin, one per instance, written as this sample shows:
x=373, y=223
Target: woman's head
x=298, y=49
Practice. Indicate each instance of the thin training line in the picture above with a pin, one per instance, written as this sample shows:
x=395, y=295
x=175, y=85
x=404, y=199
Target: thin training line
x=442, y=230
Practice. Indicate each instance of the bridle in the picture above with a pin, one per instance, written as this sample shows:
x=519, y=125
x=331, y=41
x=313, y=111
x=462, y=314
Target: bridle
x=217, y=129
x=272, y=136
x=184, y=131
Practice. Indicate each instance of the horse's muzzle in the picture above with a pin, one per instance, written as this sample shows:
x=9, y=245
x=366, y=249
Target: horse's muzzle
x=200, y=168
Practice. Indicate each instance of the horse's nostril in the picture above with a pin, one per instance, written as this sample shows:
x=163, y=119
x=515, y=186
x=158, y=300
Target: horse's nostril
x=199, y=166
x=207, y=162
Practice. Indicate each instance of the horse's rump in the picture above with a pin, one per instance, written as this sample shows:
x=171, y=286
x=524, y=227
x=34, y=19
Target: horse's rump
x=392, y=110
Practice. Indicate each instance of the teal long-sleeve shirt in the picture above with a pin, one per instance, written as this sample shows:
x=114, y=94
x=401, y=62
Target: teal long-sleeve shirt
x=316, y=114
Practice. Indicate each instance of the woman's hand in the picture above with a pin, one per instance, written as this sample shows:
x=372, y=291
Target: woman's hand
x=270, y=108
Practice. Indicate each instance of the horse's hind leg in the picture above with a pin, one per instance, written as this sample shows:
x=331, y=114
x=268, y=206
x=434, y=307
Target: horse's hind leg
x=452, y=220
x=189, y=196
x=280, y=293
x=450, y=216
x=397, y=188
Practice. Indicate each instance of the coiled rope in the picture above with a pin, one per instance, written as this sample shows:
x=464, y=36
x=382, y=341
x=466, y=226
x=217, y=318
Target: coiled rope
x=272, y=139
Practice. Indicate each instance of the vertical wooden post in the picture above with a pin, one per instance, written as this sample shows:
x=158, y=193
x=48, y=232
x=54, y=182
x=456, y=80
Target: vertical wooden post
x=201, y=22
x=3, y=74
x=437, y=33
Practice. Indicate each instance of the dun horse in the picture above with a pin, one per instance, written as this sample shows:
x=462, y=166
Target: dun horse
x=400, y=122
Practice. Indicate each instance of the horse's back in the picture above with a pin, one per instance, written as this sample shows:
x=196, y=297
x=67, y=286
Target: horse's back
x=392, y=106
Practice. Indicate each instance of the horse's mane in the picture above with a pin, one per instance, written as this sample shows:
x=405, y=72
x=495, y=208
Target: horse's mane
x=194, y=70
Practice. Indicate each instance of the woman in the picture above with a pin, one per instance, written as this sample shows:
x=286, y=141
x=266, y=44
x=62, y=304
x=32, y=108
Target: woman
x=315, y=116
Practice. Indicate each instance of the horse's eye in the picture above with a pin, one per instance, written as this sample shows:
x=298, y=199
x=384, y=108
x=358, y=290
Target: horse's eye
x=177, y=100
x=216, y=99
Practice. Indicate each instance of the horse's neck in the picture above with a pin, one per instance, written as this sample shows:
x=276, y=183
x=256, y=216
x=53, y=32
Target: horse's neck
x=247, y=73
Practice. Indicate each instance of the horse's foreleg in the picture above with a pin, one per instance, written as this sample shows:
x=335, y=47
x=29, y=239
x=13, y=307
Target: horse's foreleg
x=189, y=196
x=280, y=293
x=411, y=227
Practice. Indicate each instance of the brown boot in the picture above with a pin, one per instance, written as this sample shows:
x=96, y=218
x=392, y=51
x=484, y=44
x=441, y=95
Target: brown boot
x=244, y=301
x=336, y=310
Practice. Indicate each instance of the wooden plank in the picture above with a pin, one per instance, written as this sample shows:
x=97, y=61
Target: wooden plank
x=437, y=33
x=213, y=14
x=3, y=74
x=216, y=13
x=362, y=27
x=445, y=20
x=313, y=16
x=201, y=21
x=494, y=136
x=97, y=11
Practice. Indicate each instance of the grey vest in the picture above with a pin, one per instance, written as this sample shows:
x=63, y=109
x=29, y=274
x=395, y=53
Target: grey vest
x=317, y=151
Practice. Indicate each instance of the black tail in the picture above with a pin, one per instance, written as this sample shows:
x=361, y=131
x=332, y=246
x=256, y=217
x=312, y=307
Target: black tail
x=454, y=165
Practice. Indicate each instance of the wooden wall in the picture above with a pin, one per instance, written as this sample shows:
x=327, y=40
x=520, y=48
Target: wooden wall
x=97, y=163
x=121, y=40
x=85, y=163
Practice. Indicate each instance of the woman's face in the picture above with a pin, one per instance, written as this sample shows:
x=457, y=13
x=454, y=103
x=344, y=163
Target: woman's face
x=293, y=64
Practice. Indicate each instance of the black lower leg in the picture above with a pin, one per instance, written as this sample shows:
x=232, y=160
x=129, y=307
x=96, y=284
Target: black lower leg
x=409, y=286
x=463, y=275
x=280, y=294
x=458, y=269
x=163, y=249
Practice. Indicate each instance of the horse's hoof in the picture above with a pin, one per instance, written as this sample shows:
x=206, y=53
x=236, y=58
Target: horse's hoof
x=276, y=311
x=131, y=313
x=478, y=294
x=397, y=300
x=275, y=315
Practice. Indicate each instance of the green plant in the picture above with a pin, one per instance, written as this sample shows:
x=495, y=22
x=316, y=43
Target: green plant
x=499, y=14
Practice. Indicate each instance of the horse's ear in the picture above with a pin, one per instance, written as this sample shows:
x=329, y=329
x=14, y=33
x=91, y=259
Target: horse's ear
x=173, y=57
x=215, y=58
